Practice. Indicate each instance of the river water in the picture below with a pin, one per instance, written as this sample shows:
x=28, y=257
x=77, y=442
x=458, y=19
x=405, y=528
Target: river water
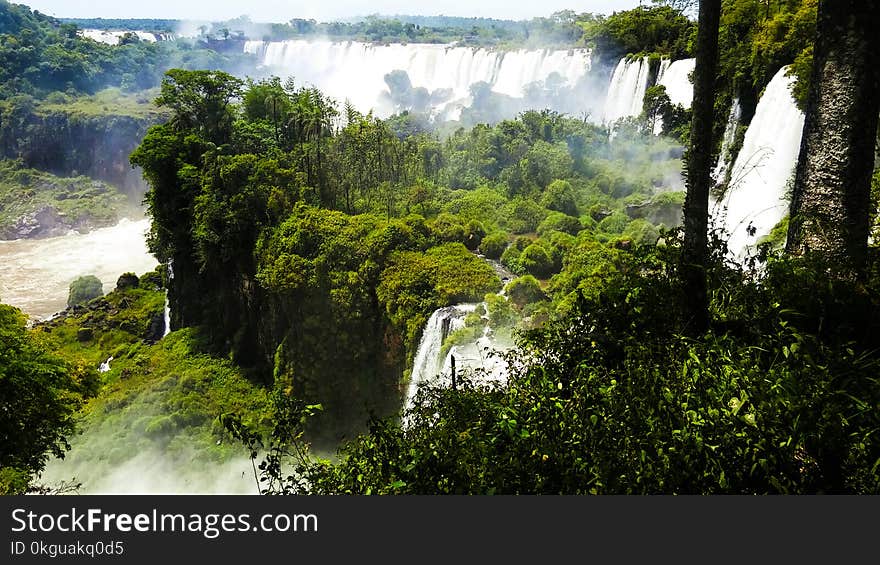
x=36, y=273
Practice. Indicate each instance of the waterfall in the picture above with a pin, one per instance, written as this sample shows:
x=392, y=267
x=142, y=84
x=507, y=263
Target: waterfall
x=167, y=312
x=626, y=92
x=664, y=66
x=105, y=366
x=113, y=37
x=676, y=78
x=431, y=365
x=446, y=72
x=167, y=315
x=724, y=157
x=756, y=195
x=427, y=362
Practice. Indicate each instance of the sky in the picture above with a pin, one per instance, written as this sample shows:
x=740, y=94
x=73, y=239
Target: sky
x=284, y=10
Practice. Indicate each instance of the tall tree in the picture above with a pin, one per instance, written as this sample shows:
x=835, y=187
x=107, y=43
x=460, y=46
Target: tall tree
x=171, y=157
x=699, y=164
x=200, y=102
x=830, y=204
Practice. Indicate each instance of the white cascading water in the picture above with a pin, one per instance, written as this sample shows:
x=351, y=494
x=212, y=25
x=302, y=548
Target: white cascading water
x=757, y=193
x=676, y=78
x=431, y=366
x=427, y=362
x=113, y=37
x=167, y=316
x=105, y=366
x=335, y=66
x=37, y=272
x=626, y=93
x=724, y=157
x=664, y=66
x=167, y=311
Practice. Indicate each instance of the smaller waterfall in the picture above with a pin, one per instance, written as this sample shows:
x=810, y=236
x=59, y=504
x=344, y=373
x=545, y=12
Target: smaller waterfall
x=480, y=354
x=626, y=93
x=756, y=198
x=724, y=158
x=113, y=37
x=167, y=312
x=167, y=315
x=664, y=66
x=676, y=79
x=427, y=363
x=105, y=366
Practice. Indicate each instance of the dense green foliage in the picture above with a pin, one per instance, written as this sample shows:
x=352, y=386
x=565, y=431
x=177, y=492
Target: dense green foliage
x=643, y=30
x=124, y=24
x=79, y=135
x=310, y=243
x=159, y=402
x=84, y=289
x=780, y=396
x=39, y=55
x=39, y=394
x=314, y=252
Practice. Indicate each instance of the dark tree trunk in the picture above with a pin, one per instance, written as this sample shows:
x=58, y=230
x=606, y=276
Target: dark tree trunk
x=831, y=199
x=699, y=165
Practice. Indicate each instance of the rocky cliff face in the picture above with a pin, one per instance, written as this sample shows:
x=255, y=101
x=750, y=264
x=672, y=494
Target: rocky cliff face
x=67, y=145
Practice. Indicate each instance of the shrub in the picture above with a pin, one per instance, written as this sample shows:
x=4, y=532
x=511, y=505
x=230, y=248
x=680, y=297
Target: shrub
x=447, y=228
x=524, y=215
x=473, y=234
x=510, y=259
x=84, y=289
x=557, y=221
x=536, y=260
x=524, y=290
x=493, y=245
x=127, y=280
x=559, y=197
x=614, y=224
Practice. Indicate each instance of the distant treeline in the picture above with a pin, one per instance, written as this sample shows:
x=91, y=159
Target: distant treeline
x=40, y=55
x=165, y=26
x=561, y=29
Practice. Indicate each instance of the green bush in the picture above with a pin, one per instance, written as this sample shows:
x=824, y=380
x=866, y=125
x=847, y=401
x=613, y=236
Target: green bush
x=473, y=234
x=614, y=224
x=126, y=281
x=557, y=221
x=559, y=197
x=448, y=228
x=84, y=289
x=510, y=259
x=641, y=232
x=524, y=215
x=524, y=290
x=499, y=310
x=494, y=244
x=536, y=260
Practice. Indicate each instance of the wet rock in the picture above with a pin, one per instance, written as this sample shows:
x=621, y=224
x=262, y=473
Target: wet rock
x=156, y=328
x=126, y=281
